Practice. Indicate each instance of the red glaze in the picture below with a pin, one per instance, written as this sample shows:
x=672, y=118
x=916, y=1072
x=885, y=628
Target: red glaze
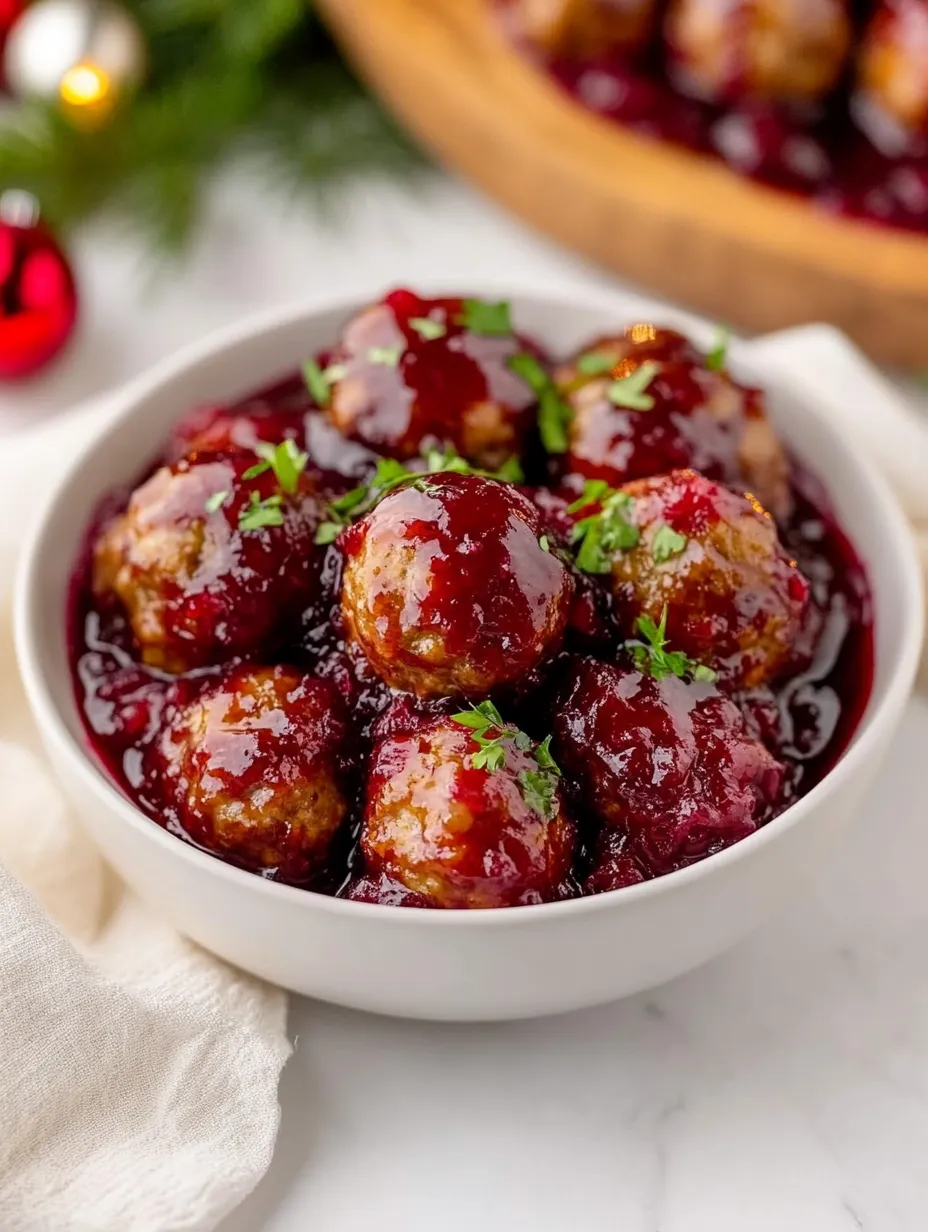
x=253, y=767
x=447, y=588
x=458, y=835
x=383, y=891
x=196, y=588
x=700, y=419
x=669, y=764
x=735, y=600
x=454, y=390
x=891, y=98
x=141, y=721
x=861, y=151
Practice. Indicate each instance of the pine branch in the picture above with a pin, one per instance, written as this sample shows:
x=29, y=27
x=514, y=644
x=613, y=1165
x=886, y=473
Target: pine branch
x=229, y=79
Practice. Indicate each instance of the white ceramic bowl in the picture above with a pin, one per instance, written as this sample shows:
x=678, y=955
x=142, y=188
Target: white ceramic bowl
x=452, y=965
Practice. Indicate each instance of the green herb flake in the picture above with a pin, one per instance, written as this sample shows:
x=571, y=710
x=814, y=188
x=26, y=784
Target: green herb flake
x=544, y=543
x=438, y=460
x=335, y=372
x=388, y=356
x=554, y=415
x=217, y=500
x=492, y=320
x=261, y=513
x=317, y=382
x=596, y=363
x=666, y=543
x=328, y=532
x=593, y=491
x=629, y=391
x=602, y=534
x=490, y=734
x=651, y=656
x=286, y=460
x=427, y=328
x=715, y=360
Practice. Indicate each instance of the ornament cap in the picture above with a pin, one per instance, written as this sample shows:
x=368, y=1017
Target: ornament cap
x=19, y=208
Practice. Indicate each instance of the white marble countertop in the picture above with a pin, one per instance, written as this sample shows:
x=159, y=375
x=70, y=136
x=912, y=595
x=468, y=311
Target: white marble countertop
x=782, y=1088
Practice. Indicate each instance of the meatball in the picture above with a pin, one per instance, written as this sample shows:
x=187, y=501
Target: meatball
x=449, y=587
x=585, y=29
x=690, y=415
x=891, y=100
x=209, y=564
x=458, y=832
x=254, y=767
x=409, y=373
x=785, y=50
x=666, y=765
x=383, y=891
x=734, y=600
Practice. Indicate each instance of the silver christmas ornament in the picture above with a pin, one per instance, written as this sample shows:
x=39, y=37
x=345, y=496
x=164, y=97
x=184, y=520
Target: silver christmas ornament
x=85, y=53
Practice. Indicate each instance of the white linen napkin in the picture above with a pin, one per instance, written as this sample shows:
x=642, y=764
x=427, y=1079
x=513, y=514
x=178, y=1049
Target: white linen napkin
x=138, y=1075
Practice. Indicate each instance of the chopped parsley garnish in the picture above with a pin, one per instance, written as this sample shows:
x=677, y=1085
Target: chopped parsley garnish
x=715, y=360
x=217, y=500
x=483, y=317
x=596, y=363
x=388, y=356
x=601, y=534
x=554, y=415
x=260, y=513
x=285, y=460
x=319, y=380
x=629, y=391
x=437, y=460
x=544, y=543
x=391, y=474
x=651, y=656
x=666, y=543
x=490, y=733
x=427, y=328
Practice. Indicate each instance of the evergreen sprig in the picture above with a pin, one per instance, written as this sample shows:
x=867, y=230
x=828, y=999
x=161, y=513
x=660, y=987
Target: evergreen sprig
x=252, y=80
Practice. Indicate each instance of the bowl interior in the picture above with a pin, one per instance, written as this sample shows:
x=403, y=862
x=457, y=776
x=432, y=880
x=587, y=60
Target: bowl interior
x=255, y=354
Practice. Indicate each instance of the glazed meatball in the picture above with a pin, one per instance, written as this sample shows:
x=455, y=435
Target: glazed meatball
x=462, y=834
x=449, y=587
x=207, y=564
x=410, y=373
x=585, y=29
x=666, y=765
x=254, y=766
x=690, y=416
x=734, y=600
x=786, y=50
x=891, y=100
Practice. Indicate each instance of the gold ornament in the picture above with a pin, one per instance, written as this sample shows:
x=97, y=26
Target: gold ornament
x=84, y=54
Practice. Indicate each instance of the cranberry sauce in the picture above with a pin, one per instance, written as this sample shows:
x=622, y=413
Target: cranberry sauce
x=815, y=150
x=748, y=753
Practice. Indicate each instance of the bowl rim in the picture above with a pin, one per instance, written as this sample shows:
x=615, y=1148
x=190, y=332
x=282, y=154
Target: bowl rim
x=125, y=402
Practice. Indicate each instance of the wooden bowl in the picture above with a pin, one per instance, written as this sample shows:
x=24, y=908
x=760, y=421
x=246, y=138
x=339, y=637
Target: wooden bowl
x=676, y=222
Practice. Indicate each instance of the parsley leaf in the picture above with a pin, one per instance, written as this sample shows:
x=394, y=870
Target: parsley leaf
x=544, y=543
x=666, y=543
x=437, y=460
x=482, y=317
x=554, y=415
x=286, y=461
x=490, y=733
x=328, y=532
x=715, y=360
x=427, y=328
x=629, y=391
x=316, y=382
x=388, y=356
x=260, y=513
x=601, y=534
x=651, y=656
x=596, y=363
x=217, y=500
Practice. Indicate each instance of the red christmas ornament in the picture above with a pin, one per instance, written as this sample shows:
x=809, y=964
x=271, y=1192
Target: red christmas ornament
x=9, y=11
x=38, y=297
